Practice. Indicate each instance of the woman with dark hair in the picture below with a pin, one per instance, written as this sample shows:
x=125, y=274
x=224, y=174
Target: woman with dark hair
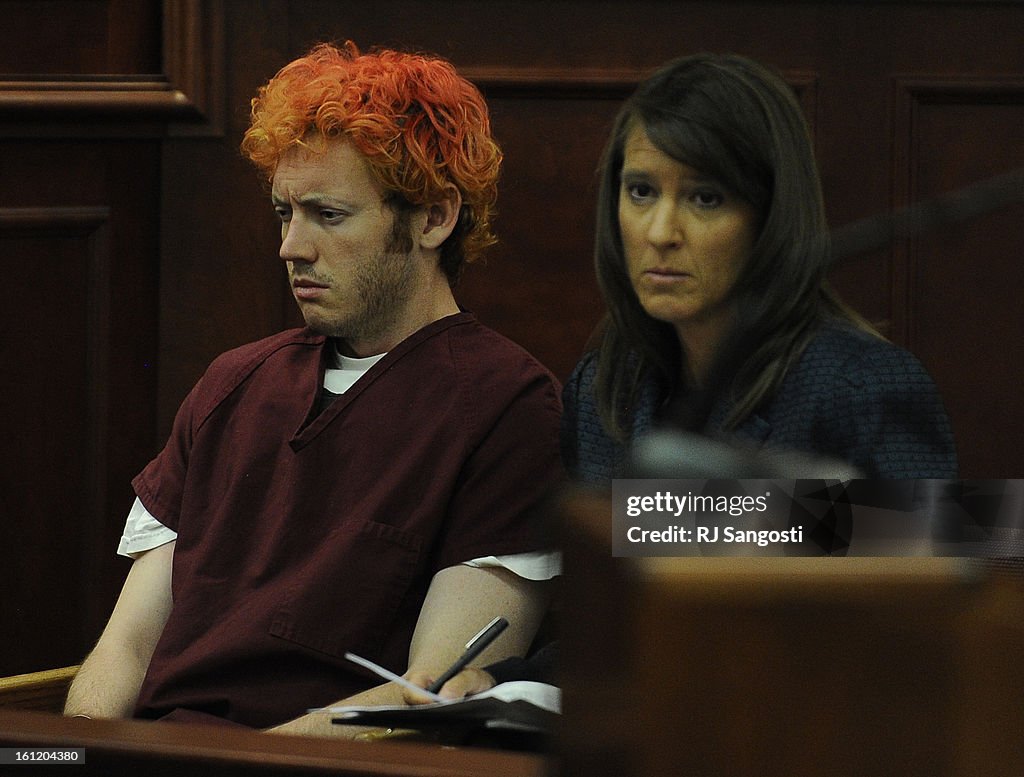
x=712, y=254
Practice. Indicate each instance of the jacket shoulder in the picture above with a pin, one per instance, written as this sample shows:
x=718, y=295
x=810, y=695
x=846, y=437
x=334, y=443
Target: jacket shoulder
x=842, y=352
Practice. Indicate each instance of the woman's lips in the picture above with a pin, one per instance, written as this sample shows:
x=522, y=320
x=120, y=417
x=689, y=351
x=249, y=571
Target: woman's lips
x=666, y=274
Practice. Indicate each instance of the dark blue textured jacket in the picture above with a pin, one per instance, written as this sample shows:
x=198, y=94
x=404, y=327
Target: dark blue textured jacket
x=851, y=396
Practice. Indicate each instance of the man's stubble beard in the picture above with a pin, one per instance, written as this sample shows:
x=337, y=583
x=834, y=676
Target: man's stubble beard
x=384, y=288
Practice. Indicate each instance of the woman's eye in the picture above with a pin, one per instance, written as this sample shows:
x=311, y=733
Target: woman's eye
x=707, y=199
x=640, y=192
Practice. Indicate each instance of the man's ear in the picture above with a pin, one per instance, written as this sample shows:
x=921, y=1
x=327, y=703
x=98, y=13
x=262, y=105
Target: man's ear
x=442, y=216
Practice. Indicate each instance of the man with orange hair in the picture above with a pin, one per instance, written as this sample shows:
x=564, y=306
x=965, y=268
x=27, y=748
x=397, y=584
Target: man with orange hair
x=370, y=483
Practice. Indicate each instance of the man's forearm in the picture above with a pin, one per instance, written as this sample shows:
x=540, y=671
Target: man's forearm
x=108, y=683
x=319, y=723
x=460, y=599
x=106, y=686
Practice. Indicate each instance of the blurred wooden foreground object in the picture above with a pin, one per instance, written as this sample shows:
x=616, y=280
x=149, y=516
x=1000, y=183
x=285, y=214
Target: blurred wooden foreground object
x=784, y=666
x=128, y=748
x=44, y=691
x=132, y=747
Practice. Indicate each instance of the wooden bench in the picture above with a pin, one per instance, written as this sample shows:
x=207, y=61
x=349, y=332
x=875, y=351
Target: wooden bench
x=43, y=691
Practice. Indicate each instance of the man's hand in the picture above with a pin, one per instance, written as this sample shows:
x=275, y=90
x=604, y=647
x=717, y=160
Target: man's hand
x=466, y=683
x=460, y=600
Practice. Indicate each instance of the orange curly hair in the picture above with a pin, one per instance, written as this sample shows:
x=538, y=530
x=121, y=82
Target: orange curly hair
x=419, y=124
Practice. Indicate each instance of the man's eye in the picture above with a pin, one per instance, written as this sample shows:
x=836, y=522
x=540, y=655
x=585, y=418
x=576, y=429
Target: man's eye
x=283, y=213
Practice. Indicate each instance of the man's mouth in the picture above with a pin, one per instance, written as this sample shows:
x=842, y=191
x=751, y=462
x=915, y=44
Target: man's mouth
x=307, y=289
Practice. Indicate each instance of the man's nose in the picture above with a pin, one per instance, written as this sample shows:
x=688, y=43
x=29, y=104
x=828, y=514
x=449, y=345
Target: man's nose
x=296, y=242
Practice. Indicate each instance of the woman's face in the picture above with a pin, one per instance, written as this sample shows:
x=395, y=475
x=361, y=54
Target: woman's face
x=686, y=239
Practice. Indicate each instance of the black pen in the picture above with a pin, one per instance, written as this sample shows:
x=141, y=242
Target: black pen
x=484, y=637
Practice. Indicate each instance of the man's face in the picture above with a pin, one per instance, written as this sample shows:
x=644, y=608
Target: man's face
x=349, y=257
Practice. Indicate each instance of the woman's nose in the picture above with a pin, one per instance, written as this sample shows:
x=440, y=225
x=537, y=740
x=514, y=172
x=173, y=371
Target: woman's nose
x=664, y=229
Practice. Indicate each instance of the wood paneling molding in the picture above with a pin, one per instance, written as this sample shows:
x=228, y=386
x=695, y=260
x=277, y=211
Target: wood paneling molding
x=189, y=91
x=71, y=220
x=593, y=83
x=91, y=223
x=910, y=94
x=90, y=227
x=555, y=83
x=194, y=61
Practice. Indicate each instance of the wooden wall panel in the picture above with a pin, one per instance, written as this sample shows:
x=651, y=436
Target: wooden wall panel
x=547, y=181
x=78, y=411
x=78, y=227
x=112, y=66
x=49, y=478
x=959, y=289
x=80, y=37
x=86, y=91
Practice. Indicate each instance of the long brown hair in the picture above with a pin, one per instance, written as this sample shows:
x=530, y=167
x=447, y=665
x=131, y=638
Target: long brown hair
x=739, y=123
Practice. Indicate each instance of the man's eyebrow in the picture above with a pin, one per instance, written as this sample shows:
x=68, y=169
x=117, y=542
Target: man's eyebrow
x=315, y=199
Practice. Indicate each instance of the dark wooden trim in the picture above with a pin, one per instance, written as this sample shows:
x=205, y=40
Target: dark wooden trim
x=103, y=99
x=74, y=221
x=93, y=224
x=555, y=83
x=190, y=90
x=909, y=93
x=194, y=60
x=592, y=83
